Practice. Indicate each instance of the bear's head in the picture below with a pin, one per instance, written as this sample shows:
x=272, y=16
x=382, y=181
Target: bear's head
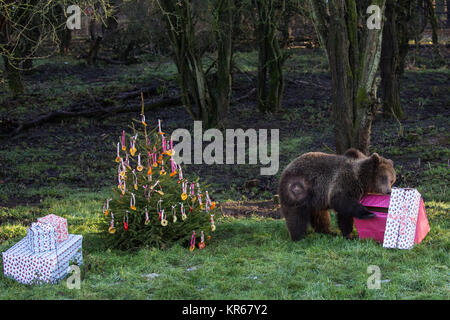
x=383, y=174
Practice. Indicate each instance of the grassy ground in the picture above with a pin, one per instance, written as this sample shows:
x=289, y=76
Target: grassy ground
x=68, y=169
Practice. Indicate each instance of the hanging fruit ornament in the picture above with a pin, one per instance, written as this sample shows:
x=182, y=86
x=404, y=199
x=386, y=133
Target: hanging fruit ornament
x=106, y=209
x=134, y=180
x=180, y=174
x=124, y=188
x=139, y=167
x=183, y=212
x=192, y=247
x=193, y=197
x=184, y=190
x=164, y=221
x=111, y=229
x=133, y=145
x=143, y=120
x=174, y=214
x=210, y=203
x=173, y=167
x=133, y=202
x=201, y=245
x=199, y=196
x=125, y=222
x=155, y=163
x=118, y=158
x=147, y=219
x=149, y=171
x=162, y=172
x=213, y=226
x=159, y=127
x=124, y=147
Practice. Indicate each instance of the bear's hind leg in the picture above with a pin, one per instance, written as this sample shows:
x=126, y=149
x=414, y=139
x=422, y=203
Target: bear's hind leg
x=297, y=219
x=345, y=223
x=320, y=221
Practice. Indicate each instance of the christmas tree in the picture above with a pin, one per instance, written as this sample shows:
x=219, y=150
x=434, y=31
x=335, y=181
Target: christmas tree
x=153, y=204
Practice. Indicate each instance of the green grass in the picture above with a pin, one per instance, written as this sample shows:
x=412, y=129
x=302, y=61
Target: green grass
x=68, y=168
x=246, y=259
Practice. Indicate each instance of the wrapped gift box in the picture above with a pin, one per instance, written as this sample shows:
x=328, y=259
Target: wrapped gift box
x=41, y=237
x=21, y=264
x=393, y=227
x=60, y=225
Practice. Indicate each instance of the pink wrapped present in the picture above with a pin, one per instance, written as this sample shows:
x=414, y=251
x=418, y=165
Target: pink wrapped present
x=60, y=225
x=41, y=237
x=394, y=232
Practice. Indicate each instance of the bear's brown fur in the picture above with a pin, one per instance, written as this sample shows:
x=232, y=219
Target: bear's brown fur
x=316, y=182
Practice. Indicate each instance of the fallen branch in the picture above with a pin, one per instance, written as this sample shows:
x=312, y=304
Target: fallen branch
x=98, y=113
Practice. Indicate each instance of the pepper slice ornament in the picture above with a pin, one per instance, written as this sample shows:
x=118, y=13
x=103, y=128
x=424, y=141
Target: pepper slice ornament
x=125, y=222
x=159, y=127
x=106, y=210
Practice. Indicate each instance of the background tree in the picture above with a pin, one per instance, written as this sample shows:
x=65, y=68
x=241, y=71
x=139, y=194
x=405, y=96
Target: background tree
x=205, y=96
x=25, y=26
x=353, y=52
x=271, y=57
x=402, y=23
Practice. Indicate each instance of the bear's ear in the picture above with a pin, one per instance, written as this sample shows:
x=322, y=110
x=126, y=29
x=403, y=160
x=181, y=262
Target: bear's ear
x=375, y=159
x=354, y=154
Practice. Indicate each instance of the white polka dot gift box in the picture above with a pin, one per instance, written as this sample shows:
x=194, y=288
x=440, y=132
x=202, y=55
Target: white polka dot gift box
x=41, y=237
x=60, y=225
x=21, y=264
x=406, y=208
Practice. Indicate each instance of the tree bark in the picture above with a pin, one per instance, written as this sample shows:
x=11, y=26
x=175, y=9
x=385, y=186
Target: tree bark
x=13, y=76
x=353, y=53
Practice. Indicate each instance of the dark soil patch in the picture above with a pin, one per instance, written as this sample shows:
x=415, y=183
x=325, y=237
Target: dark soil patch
x=265, y=209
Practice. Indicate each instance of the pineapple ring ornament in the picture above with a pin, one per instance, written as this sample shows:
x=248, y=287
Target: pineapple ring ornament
x=164, y=221
x=201, y=245
x=184, y=190
x=118, y=158
x=140, y=167
x=183, y=212
x=111, y=228
x=192, y=247
x=174, y=213
x=155, y=163
x=127, y=162
x=124, y=147
x=147, y=220
x=133, y=202
x=160, y=192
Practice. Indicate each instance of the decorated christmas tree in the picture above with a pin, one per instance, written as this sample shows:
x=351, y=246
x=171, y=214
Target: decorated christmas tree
x=153, y=203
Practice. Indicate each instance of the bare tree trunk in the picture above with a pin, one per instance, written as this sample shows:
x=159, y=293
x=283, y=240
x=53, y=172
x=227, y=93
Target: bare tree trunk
x=270, y=57
x=13, y=76
x=353, y=53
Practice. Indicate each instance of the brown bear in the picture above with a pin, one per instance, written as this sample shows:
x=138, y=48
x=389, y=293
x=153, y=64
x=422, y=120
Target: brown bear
x=316, y=182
